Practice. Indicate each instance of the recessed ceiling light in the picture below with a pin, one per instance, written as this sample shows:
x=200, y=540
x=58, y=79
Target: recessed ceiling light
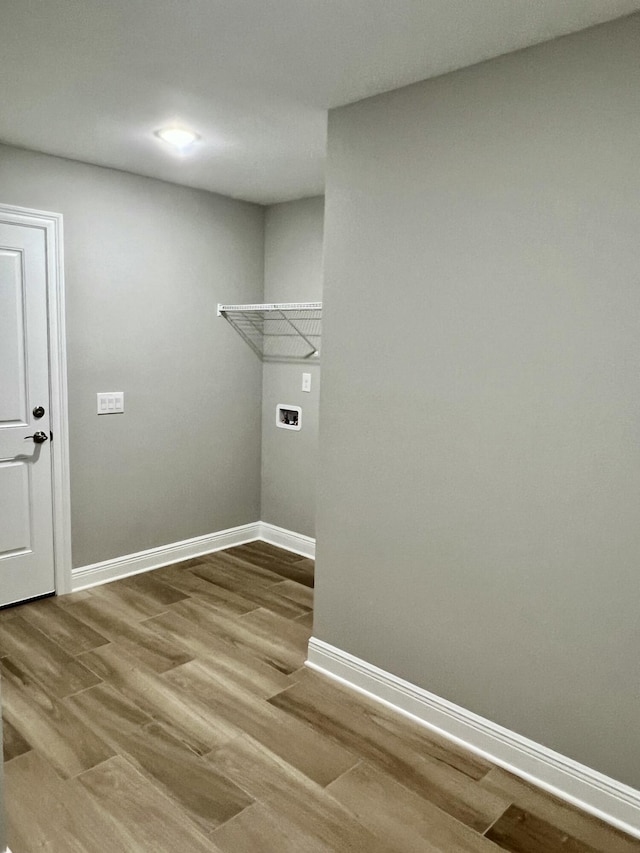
x=179, y=137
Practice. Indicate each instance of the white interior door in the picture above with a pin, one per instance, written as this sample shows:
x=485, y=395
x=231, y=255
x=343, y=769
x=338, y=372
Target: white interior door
x=26, y=508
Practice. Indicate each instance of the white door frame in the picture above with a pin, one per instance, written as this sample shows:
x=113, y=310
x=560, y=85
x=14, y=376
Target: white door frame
x=51, y=225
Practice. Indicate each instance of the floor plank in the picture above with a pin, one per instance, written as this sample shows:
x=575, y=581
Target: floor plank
x=262, y=829
x=13, y=744
x=205, y=795
x=150, y=820
x=180, y=577
x=151, y=588
x=401, y=818
x=70, y=598
x=271, y=558
x=252, y=635
x=57, y=623
x=444, y=776
x=45, y=813
x=295, y=591
x=10, y=612
x=306, y=621
x=521, y=832
x=269, y=596
x=570, y=820
x=190, y=719
x=120, y=594
x=119, y=622
x=47, y=725
x=296, y=808
x=241, y=666
x=268, y=628
x=355, y=717
x=317, y=756
x=238, y=572
x=43, y=659
x=259, y=551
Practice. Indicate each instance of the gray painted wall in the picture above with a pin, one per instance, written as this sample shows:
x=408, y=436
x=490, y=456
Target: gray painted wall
x=479, y=487
x=293, y=273
x=146, y=264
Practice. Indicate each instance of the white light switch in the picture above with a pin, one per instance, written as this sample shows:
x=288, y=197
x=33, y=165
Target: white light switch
x=110, y=402
x=306, y=382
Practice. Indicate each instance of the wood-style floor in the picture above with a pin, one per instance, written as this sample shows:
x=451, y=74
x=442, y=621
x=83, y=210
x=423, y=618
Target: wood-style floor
x=172, y=712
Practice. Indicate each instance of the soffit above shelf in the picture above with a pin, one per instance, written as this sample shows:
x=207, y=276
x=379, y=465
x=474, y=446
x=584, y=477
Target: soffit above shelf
x=278, y=331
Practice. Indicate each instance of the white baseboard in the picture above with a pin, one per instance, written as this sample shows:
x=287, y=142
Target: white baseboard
x=144, y=561
x=607, y=799
x=155, y=558
x=287, y=539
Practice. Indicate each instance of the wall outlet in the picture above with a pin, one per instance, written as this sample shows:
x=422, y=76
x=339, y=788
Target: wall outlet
x=288, y=417
x=306, y=382
x=110, y=402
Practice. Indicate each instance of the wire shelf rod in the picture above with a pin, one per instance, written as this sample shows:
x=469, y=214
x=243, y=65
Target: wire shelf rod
x=278, y=331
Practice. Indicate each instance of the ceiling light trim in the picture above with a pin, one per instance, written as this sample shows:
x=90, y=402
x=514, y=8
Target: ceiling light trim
x=180, y=138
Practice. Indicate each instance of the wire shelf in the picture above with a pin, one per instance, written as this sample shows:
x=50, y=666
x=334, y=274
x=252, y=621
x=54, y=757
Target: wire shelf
x=278, y=331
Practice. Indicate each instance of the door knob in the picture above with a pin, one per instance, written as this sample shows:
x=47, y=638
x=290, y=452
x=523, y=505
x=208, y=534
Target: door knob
x=38, y=437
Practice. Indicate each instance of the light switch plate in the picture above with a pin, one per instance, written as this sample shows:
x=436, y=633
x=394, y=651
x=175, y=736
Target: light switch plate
x=110, y=402
x=306, y=382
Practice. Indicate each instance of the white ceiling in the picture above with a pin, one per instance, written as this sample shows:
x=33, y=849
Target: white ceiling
x=92, y=79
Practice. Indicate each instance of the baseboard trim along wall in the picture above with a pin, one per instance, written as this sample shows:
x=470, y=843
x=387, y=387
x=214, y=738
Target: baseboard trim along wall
x=154, y=558
x=287, y=539
x=607, y=799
